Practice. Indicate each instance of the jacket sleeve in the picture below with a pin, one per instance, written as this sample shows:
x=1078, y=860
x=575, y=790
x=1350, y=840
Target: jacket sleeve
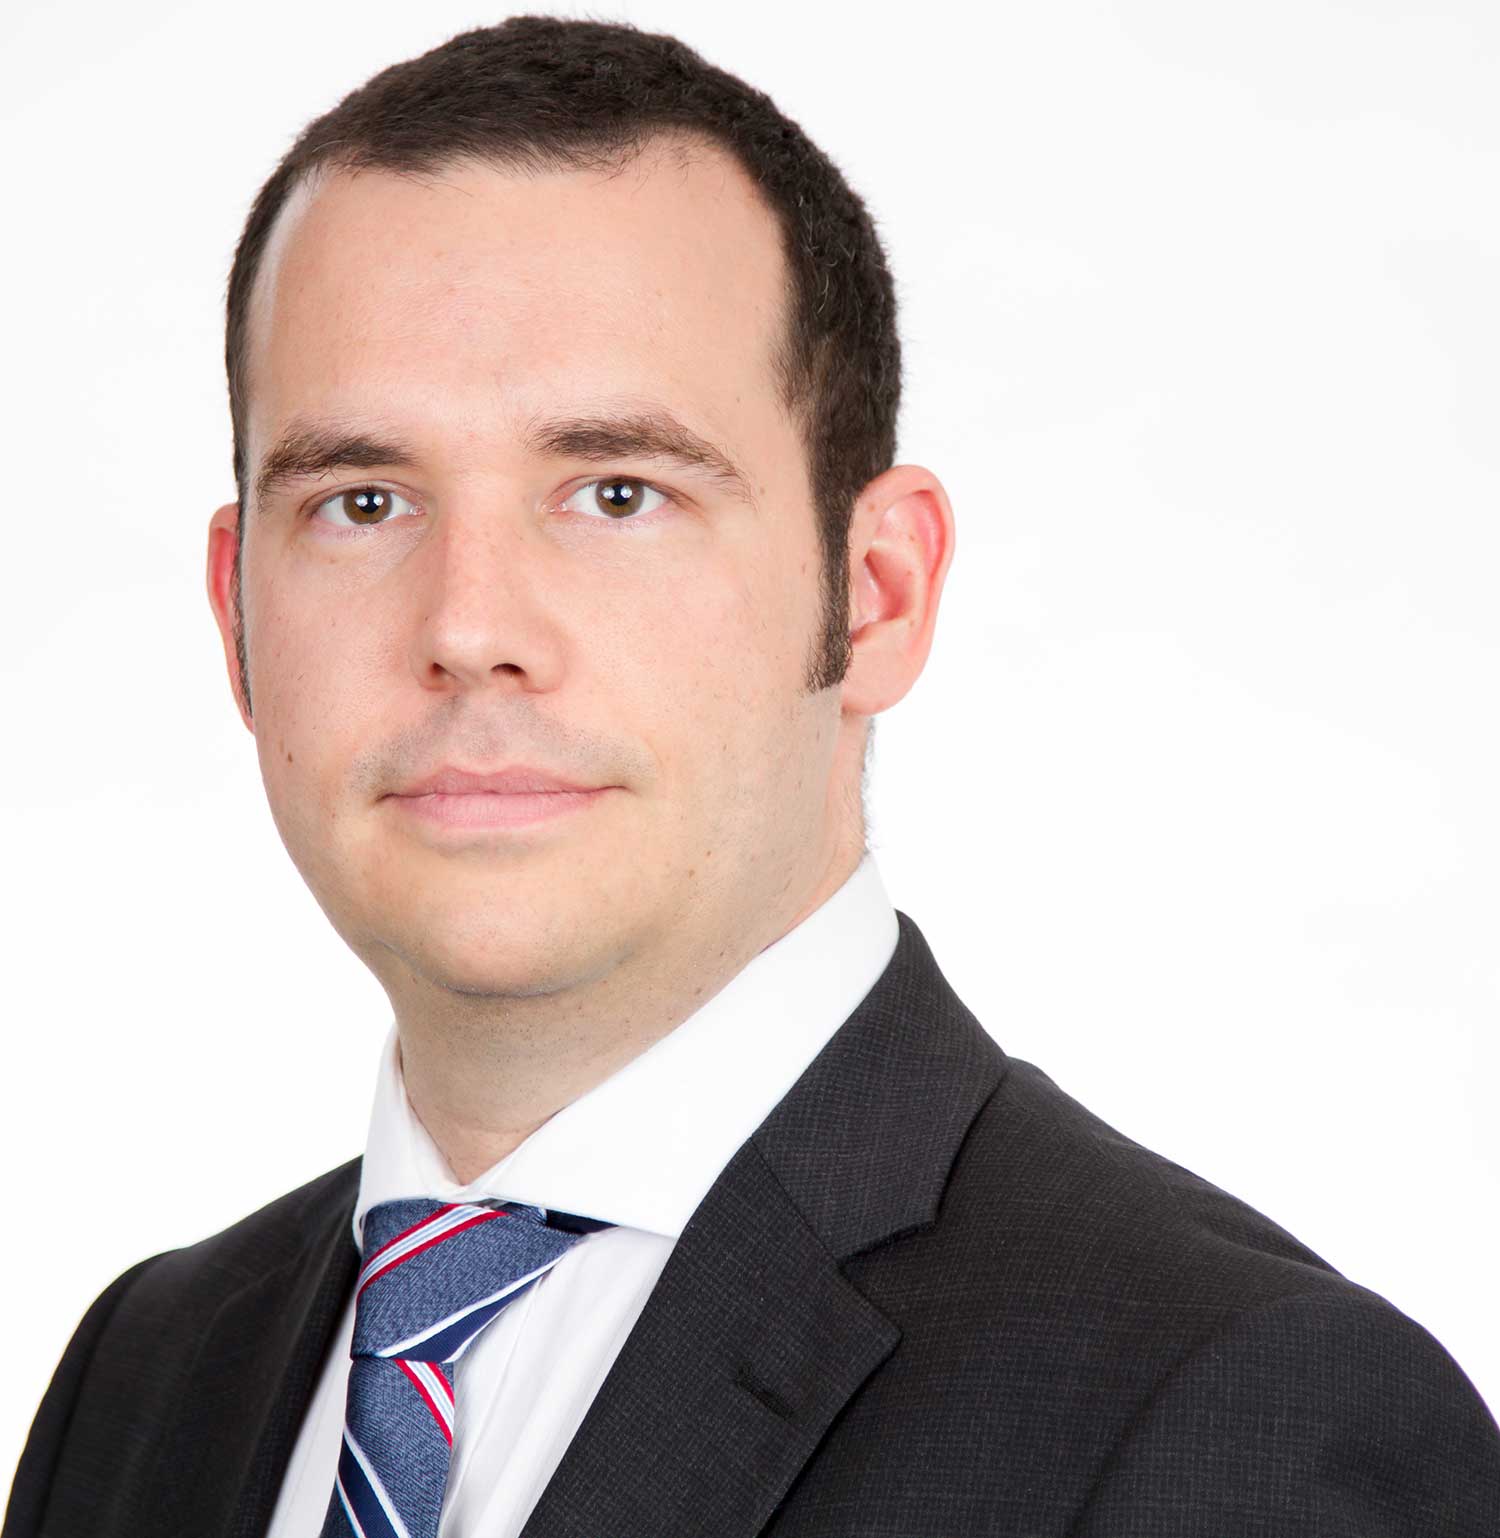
x=49, y=1428
x=1316, y=1416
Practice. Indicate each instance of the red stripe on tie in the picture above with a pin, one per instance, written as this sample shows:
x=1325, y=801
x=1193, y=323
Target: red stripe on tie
x=406, y=1233
x=458, y=1228
x=427, y=1399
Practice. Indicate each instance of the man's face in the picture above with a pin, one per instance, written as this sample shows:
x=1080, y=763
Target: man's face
x=466, y=591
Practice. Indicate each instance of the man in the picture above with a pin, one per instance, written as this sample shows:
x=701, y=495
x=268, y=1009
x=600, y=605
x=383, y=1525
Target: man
x=567, y=571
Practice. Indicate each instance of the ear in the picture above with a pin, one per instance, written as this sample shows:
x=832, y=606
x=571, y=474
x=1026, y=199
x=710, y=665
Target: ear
x=901, y=542
x=223, y=542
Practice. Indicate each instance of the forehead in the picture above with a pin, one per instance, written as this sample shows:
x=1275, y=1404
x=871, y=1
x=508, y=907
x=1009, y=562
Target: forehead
x=475, y=296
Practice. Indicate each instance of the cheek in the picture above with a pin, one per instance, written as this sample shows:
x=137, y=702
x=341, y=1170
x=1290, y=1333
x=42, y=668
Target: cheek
x=710, y=671
x=313, y=684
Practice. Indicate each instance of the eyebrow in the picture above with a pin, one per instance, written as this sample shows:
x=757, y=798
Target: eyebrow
x=310, y=448
x=306, y=449
x=651, y=433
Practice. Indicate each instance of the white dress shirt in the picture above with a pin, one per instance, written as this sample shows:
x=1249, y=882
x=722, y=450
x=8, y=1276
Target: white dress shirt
x=639, y=1150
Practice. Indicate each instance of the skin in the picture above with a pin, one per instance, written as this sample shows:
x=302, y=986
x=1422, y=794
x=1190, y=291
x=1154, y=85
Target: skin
x=499, y=616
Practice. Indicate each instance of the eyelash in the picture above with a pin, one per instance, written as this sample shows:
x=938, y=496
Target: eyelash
x=341, y=531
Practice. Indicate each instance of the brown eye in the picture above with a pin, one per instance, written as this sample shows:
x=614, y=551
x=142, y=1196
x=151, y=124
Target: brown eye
x=618, y=498
x=361, y=506
x=368, y=506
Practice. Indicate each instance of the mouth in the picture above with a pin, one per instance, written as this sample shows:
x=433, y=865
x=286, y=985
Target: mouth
x=491, y=809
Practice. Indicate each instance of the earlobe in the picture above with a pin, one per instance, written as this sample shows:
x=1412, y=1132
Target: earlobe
x=223, y=545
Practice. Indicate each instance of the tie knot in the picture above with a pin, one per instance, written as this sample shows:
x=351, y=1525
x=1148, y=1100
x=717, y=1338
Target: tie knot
x=435, y=1273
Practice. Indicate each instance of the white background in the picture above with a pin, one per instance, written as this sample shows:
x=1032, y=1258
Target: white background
x=1195, y=802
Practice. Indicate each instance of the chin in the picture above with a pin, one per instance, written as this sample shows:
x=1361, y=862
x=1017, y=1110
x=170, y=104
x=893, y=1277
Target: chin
x=514, y=966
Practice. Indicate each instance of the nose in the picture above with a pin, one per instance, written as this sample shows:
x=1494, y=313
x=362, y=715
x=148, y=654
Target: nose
x=482, y=617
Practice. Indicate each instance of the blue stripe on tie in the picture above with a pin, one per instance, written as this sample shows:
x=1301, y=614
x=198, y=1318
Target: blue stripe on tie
x=365, y=1506
x=342, y=1497
x=448, y=1344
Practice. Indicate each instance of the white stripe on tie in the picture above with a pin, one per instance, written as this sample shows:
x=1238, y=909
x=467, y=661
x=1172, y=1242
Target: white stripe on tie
x=403, y=1346
x=386, y=1505
x=433, y=1228
x=437, y=1387
x=348, y=1505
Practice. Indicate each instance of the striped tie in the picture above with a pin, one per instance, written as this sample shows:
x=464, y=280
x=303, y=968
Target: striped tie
x=435, y=1274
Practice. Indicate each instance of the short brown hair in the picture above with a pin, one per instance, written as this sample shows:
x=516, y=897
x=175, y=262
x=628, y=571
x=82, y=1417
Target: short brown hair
x=546, y=93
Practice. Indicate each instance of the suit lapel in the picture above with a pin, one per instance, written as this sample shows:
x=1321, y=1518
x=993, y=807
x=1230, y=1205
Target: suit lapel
x=750, y=1343
x=222, y=1463
x=753, y=1339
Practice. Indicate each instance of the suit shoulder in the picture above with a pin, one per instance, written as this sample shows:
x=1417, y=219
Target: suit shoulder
x=1047, y=1176
x=1355, y=1407
x=1075, y=1287
x=160, y=1300
x=273, y=1235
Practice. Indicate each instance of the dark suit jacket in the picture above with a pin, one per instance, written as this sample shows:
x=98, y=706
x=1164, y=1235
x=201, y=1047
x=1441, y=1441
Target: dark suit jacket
x=930, y=1295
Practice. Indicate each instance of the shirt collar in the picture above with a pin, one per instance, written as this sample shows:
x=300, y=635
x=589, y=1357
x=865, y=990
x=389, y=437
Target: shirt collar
x=642, y=1147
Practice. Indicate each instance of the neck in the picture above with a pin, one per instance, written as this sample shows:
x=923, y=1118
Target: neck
x=483, y=1070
